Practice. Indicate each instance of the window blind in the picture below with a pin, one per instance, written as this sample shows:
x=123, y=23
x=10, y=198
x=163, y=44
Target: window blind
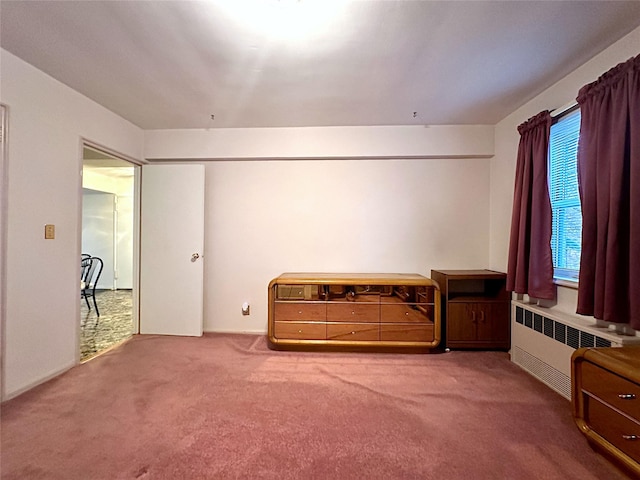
x=563, y=192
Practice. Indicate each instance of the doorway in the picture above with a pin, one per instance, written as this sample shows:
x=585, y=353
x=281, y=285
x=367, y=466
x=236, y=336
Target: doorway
x=108, y=312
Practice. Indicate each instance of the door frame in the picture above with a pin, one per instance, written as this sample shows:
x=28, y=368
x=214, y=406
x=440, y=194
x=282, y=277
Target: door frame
x=84, y=142
x=4, y=195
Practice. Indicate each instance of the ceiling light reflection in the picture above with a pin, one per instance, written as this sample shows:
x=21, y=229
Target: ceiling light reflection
x=285, y=19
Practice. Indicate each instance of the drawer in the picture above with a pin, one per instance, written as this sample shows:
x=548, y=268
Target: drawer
x=290, y=292
x=403, y=313
x=617, y=429
x=299, y=292
x=406, y=333
x=298, y=311
x=300, y=330
x=353, y=332
x=612, y=389
x=353, y=312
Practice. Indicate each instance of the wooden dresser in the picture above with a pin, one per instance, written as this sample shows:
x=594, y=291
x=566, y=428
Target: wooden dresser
x=354, y=311
x=606, y=401
x=476, y=308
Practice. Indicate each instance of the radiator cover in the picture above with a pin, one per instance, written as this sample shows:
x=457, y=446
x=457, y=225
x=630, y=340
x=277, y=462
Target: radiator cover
x=542, y=342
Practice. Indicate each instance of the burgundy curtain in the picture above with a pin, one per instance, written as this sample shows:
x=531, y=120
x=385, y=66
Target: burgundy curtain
x=530, y=260
x=609, y=179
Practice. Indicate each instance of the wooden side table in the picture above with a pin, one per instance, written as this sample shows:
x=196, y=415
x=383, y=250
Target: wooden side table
x=475, y=308
x=605, y=397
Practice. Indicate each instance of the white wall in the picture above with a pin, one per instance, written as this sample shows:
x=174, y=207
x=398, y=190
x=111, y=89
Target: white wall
x=123, y=188
x=431, y=141
x=264, y=218
x=506, y=147
x=124, y=240
x=98, y=232
x=331, y=199
x=47, y=121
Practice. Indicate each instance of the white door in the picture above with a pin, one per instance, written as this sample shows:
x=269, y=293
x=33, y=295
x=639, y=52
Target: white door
x=171, y=249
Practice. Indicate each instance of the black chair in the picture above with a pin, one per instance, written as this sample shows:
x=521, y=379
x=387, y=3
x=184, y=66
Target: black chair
x=85, y=263
x=89, y=280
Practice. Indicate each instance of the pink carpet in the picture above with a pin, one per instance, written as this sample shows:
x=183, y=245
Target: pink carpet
x=225, y=406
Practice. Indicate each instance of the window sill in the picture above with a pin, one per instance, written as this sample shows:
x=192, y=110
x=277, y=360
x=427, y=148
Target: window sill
x=566, y=283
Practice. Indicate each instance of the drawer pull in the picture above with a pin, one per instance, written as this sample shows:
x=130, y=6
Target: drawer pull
x=627, y=396
x=353, y=333
x=631, y=437
x=299, y=331
x=299, y=312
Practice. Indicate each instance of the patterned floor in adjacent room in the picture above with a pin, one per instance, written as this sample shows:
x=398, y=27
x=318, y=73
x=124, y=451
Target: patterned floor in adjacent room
x=112, y=326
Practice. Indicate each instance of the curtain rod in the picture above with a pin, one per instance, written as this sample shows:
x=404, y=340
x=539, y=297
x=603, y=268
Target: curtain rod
x=564, y=109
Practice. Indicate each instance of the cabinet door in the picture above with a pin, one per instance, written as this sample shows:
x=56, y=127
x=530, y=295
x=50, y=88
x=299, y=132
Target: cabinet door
x=492, y=321
x=461, y=321
x=484, y=322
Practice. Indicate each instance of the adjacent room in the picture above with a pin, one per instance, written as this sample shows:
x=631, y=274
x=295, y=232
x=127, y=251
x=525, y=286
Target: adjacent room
x=339, y=239
x=108, y=188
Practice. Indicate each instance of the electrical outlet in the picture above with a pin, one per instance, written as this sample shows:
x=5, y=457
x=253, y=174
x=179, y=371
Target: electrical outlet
x=246, y=308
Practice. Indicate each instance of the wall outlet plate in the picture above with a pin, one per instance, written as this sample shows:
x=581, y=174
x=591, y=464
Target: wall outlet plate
x=49, y=232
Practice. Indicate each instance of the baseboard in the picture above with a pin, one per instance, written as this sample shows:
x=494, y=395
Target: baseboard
x=29, y=386
x=244, y=332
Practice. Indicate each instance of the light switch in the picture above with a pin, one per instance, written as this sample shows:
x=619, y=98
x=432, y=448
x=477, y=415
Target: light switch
x=49, y=232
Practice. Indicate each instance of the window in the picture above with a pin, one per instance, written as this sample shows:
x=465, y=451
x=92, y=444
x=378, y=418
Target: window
x=565, y=200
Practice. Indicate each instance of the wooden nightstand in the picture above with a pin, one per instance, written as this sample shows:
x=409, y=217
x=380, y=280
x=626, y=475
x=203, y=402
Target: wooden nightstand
x=605, y=396
x=475, y=308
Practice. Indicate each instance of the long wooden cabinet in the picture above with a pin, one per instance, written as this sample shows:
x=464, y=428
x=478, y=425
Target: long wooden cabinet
x=475, y=309
x=354, y=311
x=606, y=401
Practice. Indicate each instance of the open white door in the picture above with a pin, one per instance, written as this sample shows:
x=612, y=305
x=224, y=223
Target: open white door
x=171, y=249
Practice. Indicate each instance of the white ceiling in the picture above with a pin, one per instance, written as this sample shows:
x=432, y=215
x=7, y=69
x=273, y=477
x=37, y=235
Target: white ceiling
x=172, y=64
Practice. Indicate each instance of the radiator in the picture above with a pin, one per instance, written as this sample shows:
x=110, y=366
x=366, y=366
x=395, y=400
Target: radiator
x=543, y=341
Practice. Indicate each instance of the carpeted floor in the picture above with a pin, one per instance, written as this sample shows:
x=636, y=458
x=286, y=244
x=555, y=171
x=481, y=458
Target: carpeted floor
x=225, y=407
